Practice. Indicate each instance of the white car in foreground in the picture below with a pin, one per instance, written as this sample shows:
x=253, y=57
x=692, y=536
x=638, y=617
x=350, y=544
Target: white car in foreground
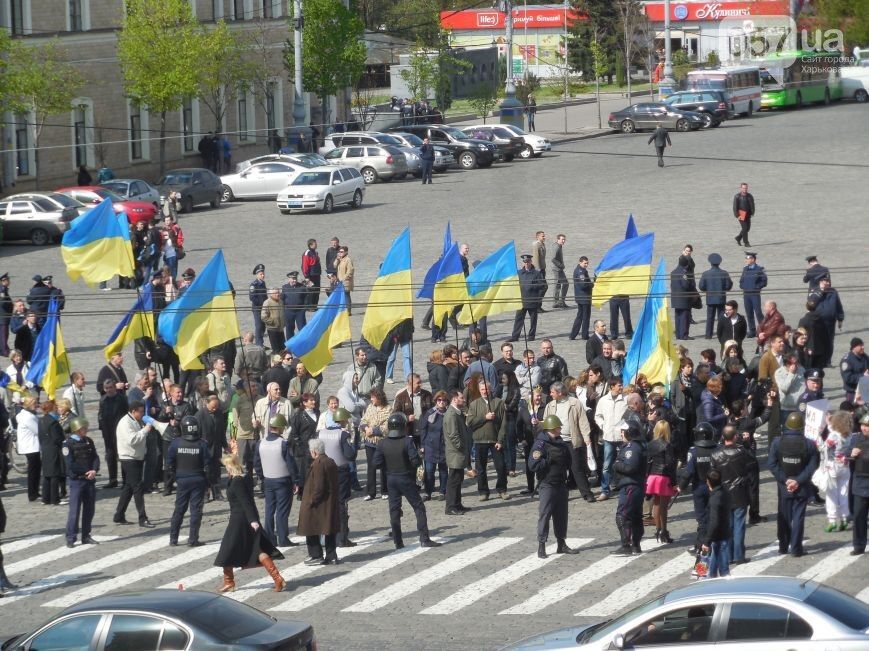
x=534, y=145
x=322, y=188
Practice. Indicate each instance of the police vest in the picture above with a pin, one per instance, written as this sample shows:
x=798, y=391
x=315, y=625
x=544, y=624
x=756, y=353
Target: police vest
x=397, y=459
x=81, y=454
x=861, y=464
x=558, y=457
x=792, y=449
x=702, y=461
x=272, y=459
x=187, y=460
x=331, y=438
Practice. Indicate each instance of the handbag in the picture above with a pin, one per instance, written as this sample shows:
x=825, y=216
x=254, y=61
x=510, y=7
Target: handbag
x=743, y=215
x=821, y=478
x=696, y=302
x=180, y=252
x=701, y=565
x=589, y=456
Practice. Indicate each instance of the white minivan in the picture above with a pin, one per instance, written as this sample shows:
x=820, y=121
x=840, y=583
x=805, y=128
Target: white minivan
x=855, y=83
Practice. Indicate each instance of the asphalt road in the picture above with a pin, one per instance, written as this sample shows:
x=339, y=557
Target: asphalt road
x=807, y=171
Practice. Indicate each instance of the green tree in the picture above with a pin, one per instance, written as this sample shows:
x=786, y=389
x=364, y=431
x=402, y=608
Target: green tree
x=420, y=74
x=600, y=67
x=849, y=16
x=527, y=86
x=602, y=27
x=446, y=66
x=483, y=98
x=160, y=52
x=40, y=80
x=225, y=70
x=631, y=19
x=333, y=50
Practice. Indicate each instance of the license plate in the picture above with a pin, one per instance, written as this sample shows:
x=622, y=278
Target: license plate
x=294, y=204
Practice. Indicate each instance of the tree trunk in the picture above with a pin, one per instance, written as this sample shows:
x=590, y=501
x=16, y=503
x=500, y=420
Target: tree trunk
x=324, y=112
x=597, y=94
x=162, y=142
x=628, y=73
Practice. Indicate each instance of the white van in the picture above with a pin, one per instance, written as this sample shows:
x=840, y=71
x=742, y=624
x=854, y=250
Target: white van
x=855, y=83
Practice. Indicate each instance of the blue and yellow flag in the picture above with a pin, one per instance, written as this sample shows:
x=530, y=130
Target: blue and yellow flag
x=625, y=268
x=431, y=275
x=391, y=299
x=450, y=288
x=137, y=323
x=631, y=228
x=97, y=245
x=493, y=286
x=204, y=317
x=652, y=350
x=329, y=327
x=49, y=365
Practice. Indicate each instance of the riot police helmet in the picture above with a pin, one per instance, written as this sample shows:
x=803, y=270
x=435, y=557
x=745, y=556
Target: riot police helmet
x=341, y=415
x=190, y=427
x=397, y=423
x=704, y=432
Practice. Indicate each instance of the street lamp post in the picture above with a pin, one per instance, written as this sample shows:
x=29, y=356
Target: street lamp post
x=299, y=129
x=667, y=84
x=511, y=108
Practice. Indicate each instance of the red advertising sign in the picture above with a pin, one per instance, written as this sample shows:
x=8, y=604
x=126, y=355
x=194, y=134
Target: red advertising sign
x=528, y=52
x=534, y=17
x=716, y=11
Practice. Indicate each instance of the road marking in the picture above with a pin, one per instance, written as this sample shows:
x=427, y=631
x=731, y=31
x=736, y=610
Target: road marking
x=132, y=578
x=322, y=592
x=83, y=571
x=760, y=562
x=572, y=584
x=863, y=595
x=299, y=570
x=479, y=589
x=832, y=563
x=53, y=555
x=25, y=543
x=418, y=581
x=639, y=588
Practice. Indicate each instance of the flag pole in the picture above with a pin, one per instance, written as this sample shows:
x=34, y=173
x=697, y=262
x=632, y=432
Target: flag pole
x=490, y=389
x=151, y=328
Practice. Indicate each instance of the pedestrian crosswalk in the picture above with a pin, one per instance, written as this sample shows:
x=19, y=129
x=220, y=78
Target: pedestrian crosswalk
x=497, y=574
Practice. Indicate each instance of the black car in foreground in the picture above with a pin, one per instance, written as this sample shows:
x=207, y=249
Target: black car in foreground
x=646, y=115
x=712, y=105
x=170, y=620
x=468, y=152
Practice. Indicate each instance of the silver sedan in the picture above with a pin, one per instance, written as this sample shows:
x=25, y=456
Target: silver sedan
x=134, y=190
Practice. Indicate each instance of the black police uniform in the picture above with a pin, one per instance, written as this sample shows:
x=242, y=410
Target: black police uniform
x=852, y=367
x=583, y=286
x=176, y=412
x=399, y=456
x=550, y=459
x=258, y=293
x=532, y=286
x=859, y=489
x=752, y=280
x=295, y=301
x=792, y=456
x=81, y=456
x=188, y=459
x=630, y=471
x=694, y=473
x=750, y=425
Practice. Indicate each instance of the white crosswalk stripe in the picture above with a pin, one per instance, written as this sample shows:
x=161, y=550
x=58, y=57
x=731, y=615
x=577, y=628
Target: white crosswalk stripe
x=863, y=595
x=131, y=578
x=25, y=543
x=760, y=562
x=572, y=584
x=832, y=563
x=475, y=591
x=639, y=588
x=337, y=585
x=401, y=589
x=53, y=555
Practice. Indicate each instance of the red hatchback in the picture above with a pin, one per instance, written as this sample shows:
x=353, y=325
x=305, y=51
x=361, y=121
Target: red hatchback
x=136, y=211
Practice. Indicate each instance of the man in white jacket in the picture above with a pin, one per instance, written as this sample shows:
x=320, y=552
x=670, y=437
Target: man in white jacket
x=576, y=429
x=608, y=415
x=132, y=434
x=272, y=405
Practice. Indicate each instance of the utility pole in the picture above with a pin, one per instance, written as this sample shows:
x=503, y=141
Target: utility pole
x=300, y=128
x=566, y=68
x=511, y=108
x=667, y=84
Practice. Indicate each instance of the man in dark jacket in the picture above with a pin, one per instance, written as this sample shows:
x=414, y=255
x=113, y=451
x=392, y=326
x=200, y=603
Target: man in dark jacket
x=212, y=428
x=662, y=140
x=427, y=156
x=188, y=459
x=854, y=366
x=283, y=370
x=731, y=325
x=583, y=286
x=312, y=271
x=560, y=276
x=832, y=314
x=5, y=314
x=682, y=290
x=752, y=280
x=630, y=475
x=716, y=282
x=814, y=272
x=532, y=284
x=37, y=299
x=294, y=296
x=736, y=466
x=113, y=371
x=552, y=367
x=718, y=532
x=175, y=409
x=594, y=345
x=257, y=294
x=743, y=210
x=113, y=407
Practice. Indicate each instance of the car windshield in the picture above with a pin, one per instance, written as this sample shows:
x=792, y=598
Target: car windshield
x=672, y=99
x=517, y=130
x=45, y=204
x=183, y=178
x=455, y=133
x=65, y=201
x=843, y=608
x=388, y=140
x=229, y=620
x=111, y=196
x=603, y=630
x=411, y=139
x=120, y=188
x=312, y=178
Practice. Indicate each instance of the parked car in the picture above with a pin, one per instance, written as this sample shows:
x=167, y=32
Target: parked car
x=443, y=156
x=855, y=82
x=134, y=189
x=34, y=218
x=468, y=152
x=165, y=619
x=411, y=154
x=385, y=162
x=322, y=188
x=304, y=159
x=509, y=144
x=756, y=613
x=647, y=114
x=91, y=195
x=260, y=181
x=534, y=145
x=712, y=105
x=196, y=185
x=55, y=198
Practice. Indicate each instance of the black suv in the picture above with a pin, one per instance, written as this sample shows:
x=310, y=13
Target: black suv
x=712, y=105
x=468, y=152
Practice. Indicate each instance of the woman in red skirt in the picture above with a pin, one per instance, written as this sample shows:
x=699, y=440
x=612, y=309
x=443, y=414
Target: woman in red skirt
x=661, y=481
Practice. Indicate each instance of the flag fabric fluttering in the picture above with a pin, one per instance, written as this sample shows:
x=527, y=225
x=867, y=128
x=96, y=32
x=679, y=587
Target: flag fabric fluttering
x=137, y=323
x=97, y=245
x=631, y=228
x=329, y=327
x=49, y=364
x=493, y=286
x=391, y=298
x=427, y=289
x=450, y=288
x=625, y=268
x=204, y=317
x=653, y=352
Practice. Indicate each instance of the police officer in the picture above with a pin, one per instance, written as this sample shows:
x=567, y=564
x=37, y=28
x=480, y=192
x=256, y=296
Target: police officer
x=276, y=467
x=294, y=296
x=630, y=476
x=5, y=314
x=188, y=459
x=793, y=460
x=752, y=280
x=858, y=450
x=814, y=272
x=583, y=286
x=532, y=285
x=853, y=366
x=398, y=455
x=550, y=460
x=338, y=439
x=814, y=389
x=257, y=294
x=694, y=473
x=82, y=465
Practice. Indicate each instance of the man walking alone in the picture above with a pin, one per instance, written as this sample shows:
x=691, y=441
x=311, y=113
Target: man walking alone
x=662, y=141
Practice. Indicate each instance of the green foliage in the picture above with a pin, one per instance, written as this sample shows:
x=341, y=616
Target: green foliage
x=681, y=65
x=849, y=16
x=713, y=59
x=527, y=86
x=600, y=65
x=621, y=78
x=224, y=69
x=446, y=66
x=602, y=26
x=420, y=74
x=483, y=98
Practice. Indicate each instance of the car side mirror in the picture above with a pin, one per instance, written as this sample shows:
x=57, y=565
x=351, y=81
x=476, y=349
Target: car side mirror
x=336, y=181
x=197, y=182
x=619, y=641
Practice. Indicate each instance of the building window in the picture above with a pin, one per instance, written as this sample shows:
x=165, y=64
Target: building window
x=270, y=105
x=75, y=16
x=187, y=125
x=16, y=16
x=136, y=136
x=240, y=9
x=80, y=135
x=242, y=117
x=217, y=10
x=266, y=8
x=22, y=145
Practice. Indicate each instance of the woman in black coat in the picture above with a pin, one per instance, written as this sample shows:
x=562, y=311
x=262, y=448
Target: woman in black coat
x=51, y=440
x=508, y=391
x=244, y=544
x=303, y=428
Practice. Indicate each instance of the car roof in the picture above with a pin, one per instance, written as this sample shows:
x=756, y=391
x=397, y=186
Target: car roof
x=164, y=602
x=187, y=169
x=770, y=586
x=325, y=168
x=125, y=181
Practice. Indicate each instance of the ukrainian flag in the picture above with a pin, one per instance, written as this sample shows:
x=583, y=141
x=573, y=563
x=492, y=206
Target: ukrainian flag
x=493, y=286
x=203, y=317
x=652, y=350
x=49, y=365
x=329, y=327
x=625, y=268
x=431, y=275
x=137, y=323
x=450, y=288
x=97, y=245
x=391, y=299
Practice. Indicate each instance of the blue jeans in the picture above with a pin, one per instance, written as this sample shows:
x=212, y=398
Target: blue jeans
x=429, y=477
x=737, y=539
x=610, y=450
x=719, y=563
x=405, y=353
x=172, y=263
x=278, y=502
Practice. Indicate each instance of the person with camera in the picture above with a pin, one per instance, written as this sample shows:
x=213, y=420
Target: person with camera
x=175, y=409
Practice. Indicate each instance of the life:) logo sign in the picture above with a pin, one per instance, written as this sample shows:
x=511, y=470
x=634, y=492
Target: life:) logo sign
x=488, y=19
x=714, y=11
